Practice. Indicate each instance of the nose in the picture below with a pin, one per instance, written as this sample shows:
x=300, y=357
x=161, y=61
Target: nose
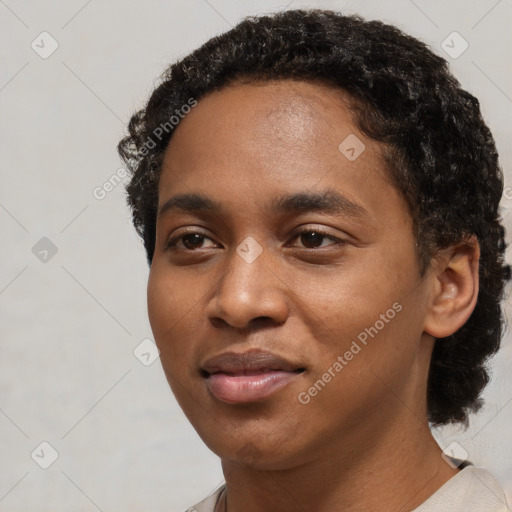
x=251, y=290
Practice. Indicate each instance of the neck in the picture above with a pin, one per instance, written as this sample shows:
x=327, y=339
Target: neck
x=398, y=469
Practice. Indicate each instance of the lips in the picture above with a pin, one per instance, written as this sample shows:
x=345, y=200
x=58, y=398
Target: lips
x=249, y=376
x=246, y=362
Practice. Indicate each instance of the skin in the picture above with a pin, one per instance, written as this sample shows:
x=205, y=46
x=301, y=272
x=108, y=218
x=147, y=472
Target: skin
x=363, y=442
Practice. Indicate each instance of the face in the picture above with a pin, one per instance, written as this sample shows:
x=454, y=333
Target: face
x=291, y=263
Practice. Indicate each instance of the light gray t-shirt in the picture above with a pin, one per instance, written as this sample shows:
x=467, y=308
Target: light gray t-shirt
x=472, y=489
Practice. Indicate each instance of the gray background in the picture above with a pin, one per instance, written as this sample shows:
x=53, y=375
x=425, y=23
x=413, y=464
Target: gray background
x=70, y=321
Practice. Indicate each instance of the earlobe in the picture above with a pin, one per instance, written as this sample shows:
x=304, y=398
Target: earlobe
x=454, y=288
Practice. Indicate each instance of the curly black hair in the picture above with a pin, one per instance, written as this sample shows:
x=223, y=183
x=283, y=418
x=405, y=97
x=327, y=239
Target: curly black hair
x=440, y=154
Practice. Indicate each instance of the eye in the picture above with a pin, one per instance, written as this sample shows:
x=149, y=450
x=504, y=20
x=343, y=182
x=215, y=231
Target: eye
x=314, y=236
x=191, y=240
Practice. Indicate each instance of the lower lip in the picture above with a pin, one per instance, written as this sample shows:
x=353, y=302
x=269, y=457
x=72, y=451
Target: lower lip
x=247, y=388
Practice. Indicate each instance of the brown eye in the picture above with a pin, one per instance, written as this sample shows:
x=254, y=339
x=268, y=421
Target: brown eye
x=190, y=241
x=312, y=238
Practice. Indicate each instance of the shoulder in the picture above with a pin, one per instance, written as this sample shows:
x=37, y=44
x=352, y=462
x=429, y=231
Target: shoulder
x=473, y=489
x=208, y=504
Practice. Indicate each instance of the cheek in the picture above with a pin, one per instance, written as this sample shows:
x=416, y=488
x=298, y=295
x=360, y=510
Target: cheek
x=371, y=362
x=170, y=314
x=360, y=372
x=368, y=316
x=345, y=302
x=160, y=310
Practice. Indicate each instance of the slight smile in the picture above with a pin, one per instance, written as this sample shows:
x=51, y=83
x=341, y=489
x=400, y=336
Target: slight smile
x=250, y=376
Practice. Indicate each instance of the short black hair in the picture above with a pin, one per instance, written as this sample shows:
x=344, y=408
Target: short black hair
x=440, y=154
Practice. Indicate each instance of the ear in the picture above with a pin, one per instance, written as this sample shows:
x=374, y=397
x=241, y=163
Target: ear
x=454, y=288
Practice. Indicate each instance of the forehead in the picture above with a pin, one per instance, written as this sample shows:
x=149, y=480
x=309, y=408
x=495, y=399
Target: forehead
x=270, y=150
x=290, y=125
x=249, y=144
x=274, y=105
x=298, y=103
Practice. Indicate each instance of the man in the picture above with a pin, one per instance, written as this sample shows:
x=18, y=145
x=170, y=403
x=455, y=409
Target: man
x=318, y=199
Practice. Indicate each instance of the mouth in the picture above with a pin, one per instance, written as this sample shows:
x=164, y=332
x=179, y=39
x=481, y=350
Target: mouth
x=246, y=377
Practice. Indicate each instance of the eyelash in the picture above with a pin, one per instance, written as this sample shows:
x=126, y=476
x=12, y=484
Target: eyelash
x=172, y=242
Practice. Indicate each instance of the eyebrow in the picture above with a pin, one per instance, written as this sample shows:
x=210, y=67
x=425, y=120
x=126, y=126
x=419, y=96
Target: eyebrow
x=327, y=201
